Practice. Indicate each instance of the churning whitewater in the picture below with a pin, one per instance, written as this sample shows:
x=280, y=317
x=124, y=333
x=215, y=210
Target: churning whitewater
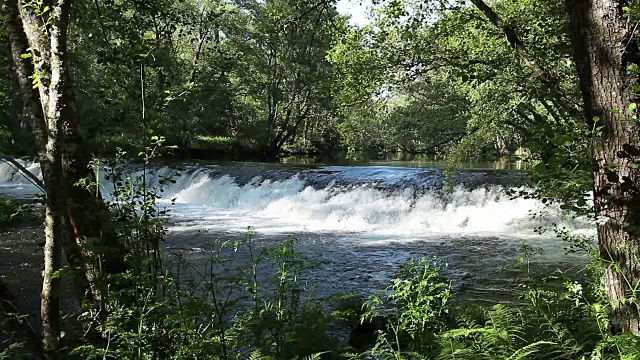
x=290, y=205
x=374, y=200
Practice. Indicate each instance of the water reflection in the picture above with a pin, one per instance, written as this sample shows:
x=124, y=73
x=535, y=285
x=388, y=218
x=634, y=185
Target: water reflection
x=404, y=160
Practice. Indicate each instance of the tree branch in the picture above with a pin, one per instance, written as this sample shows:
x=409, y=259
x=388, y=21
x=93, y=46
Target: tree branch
x=547, y=79
x=23, y=171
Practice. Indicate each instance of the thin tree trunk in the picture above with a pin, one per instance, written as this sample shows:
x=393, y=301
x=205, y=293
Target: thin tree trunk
x=31, y=106
x=50, y=160
x=53, y=106
x=23, y=68
x=204, y=34
x=50, y=297
x=604, y=46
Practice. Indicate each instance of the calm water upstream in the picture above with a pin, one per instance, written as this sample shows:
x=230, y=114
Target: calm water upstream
x=361, y=222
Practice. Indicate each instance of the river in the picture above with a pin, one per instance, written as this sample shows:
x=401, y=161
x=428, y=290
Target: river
x=359, y=222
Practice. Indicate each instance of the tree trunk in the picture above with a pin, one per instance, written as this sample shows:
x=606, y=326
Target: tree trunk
x=53, y=107
x=604, y=46
x=50, y=297
x=47, y=135
x=87, y=213
x=87, y=218
x=501, y=147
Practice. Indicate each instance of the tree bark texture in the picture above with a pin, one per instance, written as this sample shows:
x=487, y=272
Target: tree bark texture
x=604, y=46
x=47, y=134
x=53, y=103
x=86, y=216
x=50, y=297
x=86, y=212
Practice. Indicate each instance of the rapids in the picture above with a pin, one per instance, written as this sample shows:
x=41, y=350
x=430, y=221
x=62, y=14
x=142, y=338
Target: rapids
x=362, y=222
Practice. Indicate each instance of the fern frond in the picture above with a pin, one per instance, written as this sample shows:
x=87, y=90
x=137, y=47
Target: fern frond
x=315, y=356
x=255, y=355
x=522, y=353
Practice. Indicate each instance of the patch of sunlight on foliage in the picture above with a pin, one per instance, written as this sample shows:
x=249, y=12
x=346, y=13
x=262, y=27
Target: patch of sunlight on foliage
x=217, y=143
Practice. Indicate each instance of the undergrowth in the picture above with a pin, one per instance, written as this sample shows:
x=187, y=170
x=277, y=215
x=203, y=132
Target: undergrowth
x=563, y=317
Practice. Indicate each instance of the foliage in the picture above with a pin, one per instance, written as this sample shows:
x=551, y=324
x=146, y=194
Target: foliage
x=291, y=76
x=220, y=146
x=415, y=309
x=479, y=95
x=207, y=315
x=562, y=318
x=14, y=351
x=288, y=76
x=11, y=212
x=248, y=70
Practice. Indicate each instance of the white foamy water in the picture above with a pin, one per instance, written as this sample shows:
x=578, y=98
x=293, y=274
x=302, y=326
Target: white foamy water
x=290, y=205
x=362, y=223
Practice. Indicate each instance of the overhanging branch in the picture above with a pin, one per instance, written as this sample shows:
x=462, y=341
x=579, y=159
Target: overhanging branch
x=545, y=77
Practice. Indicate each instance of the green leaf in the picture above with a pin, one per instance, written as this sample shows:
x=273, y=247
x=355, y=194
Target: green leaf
x=632, y=108
x=564, y=140
x=540, y=167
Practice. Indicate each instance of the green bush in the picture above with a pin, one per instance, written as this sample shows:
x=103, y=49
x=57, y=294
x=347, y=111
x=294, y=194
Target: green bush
x=414, y=309
x=213, y=315
x=11, y=212
x=562, y=318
